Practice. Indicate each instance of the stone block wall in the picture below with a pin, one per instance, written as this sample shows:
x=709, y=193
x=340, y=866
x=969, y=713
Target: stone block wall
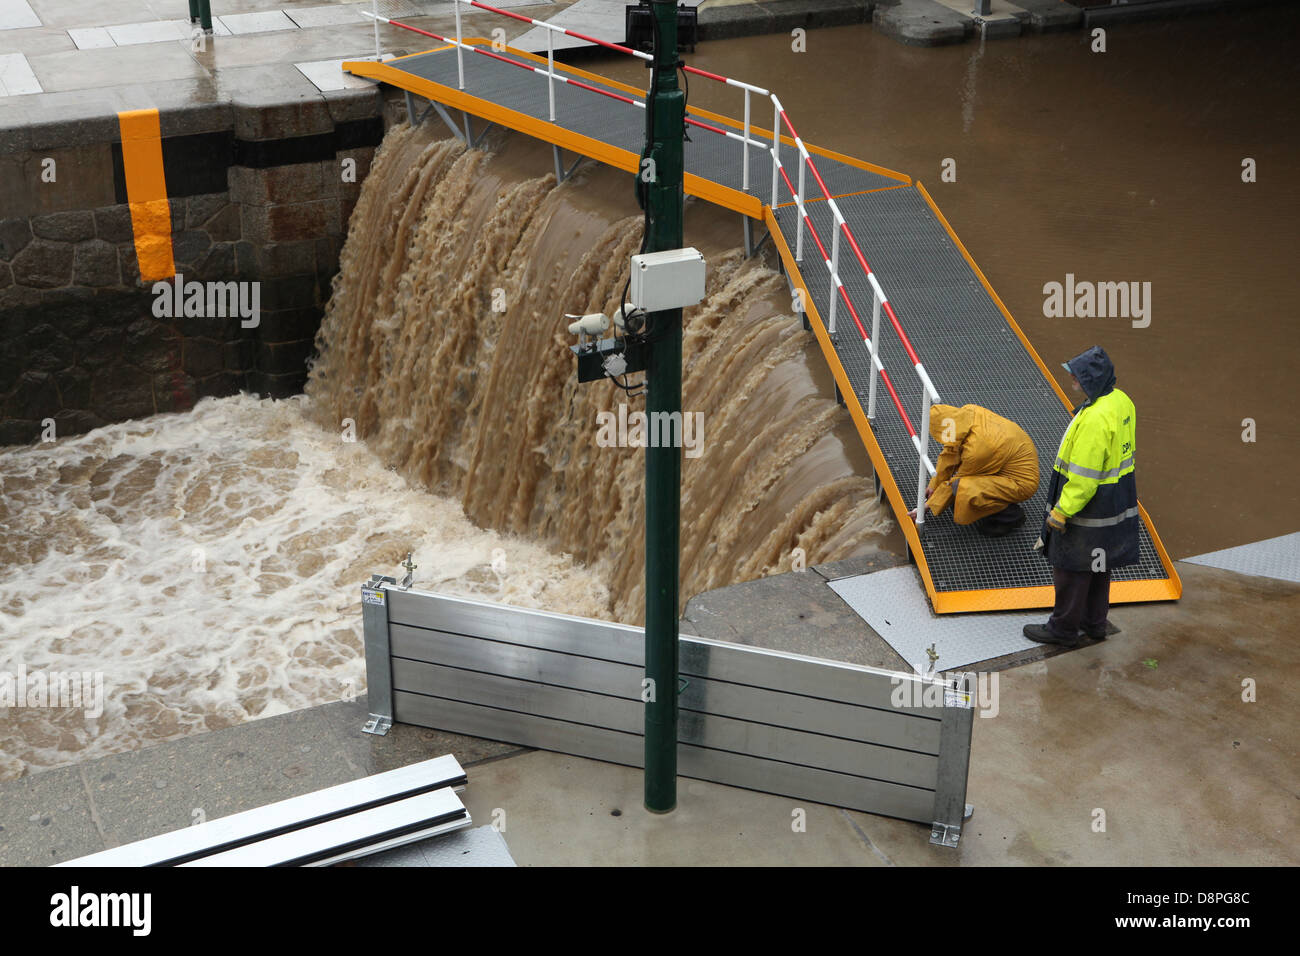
x=257, y=195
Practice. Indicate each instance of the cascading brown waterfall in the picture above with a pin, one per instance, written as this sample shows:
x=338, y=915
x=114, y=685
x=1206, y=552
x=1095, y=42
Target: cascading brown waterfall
x=445, y=342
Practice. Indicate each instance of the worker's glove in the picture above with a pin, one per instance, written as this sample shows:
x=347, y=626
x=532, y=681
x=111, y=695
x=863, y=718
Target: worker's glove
x=1056, y=521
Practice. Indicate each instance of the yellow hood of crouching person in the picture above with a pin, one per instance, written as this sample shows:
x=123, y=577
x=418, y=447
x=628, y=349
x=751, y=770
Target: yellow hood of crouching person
x=989, y=459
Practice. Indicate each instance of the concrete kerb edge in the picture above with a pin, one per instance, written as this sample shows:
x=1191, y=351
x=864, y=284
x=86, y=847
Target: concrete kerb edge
x=922, y=23
x=779, y=16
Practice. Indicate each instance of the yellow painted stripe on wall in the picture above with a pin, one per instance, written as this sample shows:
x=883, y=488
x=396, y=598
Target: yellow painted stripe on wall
x=146, y=191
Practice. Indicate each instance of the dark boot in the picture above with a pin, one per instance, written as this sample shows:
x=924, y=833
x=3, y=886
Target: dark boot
x=1002, y=523
x=1101, y=636
x=1043, y=635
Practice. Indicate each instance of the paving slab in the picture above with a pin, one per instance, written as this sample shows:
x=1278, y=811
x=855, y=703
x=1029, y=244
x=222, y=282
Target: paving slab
x=77, y=70
x=158, y=31
x=17, y=15
x=35, y=41
x=78, y=13
x=267, y=21
x=91, y=38
x=332, y=15
x=16, y=76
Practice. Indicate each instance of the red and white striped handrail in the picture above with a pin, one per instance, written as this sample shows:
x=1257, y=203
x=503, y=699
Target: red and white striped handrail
x=552, y=75
x=879, y=300
x=929, y=395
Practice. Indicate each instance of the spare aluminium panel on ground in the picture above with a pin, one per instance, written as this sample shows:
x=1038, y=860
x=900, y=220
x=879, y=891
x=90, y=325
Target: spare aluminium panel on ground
x=968, y=346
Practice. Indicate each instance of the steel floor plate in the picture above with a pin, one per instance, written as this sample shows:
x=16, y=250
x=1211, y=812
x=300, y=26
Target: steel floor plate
x=895, y=607
x=1272, y=558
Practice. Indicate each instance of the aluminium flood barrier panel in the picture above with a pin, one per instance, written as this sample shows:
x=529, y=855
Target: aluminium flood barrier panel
x=972, y=347
x=858, y=737
x=379, y=828
x=381, y=810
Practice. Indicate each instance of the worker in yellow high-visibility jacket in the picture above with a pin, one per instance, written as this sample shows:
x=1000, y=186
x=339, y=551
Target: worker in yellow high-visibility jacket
x=988, y=465
x=1092, y=526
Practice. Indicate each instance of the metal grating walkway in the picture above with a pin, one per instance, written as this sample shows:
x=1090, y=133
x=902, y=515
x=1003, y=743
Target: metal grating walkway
x=970, y=346
x=973, y=357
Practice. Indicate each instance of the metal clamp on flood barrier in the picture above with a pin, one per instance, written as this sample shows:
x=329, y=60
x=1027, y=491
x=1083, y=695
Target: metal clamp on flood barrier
x=379, y=675
x=862, y=738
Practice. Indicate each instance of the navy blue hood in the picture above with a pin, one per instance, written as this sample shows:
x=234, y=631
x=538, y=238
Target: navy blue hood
x=1094, y=370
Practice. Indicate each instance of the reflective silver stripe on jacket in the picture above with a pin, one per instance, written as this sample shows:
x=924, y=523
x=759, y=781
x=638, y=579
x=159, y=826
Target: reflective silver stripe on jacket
x=1104, y=522
x=1061, y=463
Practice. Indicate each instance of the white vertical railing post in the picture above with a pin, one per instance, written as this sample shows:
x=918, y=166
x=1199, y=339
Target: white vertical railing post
x=550, y=70
x=776, y=147
x=460, y=59
x=875, y=345
x=374, y=8
x=744, y=176
x=835, y=276
x=798, y=254
x=922, y=479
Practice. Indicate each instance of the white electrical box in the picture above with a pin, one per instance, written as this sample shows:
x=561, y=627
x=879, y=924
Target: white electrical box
x=672, y=279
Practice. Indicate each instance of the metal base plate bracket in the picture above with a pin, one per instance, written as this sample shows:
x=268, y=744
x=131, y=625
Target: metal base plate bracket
x=377, y=725
x=942, y=834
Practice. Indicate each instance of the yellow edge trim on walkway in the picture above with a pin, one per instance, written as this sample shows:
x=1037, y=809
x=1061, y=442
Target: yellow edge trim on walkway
x=146, y=192
x=1175, y=581
x=549, y=132
x=1019, y=599
x=1174, y=588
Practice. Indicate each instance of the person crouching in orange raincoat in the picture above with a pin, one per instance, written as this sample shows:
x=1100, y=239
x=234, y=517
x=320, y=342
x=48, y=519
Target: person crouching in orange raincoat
x=987, y=467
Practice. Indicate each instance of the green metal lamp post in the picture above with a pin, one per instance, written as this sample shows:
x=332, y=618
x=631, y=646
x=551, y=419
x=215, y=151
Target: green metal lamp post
x=201, y=13
x=665, y=125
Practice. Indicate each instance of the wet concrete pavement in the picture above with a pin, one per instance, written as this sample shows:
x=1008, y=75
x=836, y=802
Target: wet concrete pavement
x=1137, y=750
x=174, y=74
